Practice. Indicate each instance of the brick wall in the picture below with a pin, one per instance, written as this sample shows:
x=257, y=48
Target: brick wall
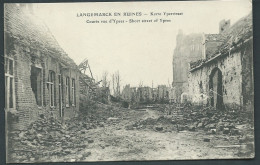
x=71, y=110
x=30, y=42
x=26, y=105
x=25, y=100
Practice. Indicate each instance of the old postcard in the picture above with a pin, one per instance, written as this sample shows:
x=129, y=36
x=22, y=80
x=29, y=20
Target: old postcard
x=121, y=81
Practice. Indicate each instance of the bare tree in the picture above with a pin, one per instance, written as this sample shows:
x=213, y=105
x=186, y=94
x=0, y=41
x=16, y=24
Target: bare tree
x=116, y=83
x=113, y=84
x=105, y=81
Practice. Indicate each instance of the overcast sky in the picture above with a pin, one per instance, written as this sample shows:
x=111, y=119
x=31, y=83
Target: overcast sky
x=140, y=51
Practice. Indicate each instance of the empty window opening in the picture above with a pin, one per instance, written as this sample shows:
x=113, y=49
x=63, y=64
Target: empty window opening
x=36, y=84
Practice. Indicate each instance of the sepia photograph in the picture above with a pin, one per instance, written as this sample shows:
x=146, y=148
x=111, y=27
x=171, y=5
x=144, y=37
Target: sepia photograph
x=128, y=81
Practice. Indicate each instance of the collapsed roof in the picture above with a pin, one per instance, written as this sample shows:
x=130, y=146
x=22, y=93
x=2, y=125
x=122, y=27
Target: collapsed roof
x=23, y=26
x=240, y=32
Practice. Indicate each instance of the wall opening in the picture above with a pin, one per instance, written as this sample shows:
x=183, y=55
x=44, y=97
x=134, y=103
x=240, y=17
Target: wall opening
x=215, y=88
x=36, y=84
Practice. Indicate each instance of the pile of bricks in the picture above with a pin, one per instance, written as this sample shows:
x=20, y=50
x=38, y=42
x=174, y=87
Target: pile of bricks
x=192, y=118
x=49, y=138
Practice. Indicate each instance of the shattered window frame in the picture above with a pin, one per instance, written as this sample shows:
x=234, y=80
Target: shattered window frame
x=51, y=88
x=10, y=103
x=67, y=86
x=73, y=90
x=60, y=94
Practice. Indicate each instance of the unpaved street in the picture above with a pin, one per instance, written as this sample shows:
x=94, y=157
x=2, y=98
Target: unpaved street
x=114, y=142
x=116, y=134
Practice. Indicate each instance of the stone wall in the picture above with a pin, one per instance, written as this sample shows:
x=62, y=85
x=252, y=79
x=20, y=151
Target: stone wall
x=231, y=67
x=247, y=75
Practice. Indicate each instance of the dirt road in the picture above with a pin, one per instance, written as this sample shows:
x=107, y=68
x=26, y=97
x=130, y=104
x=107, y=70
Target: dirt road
x=118, y=137
x=114, y=142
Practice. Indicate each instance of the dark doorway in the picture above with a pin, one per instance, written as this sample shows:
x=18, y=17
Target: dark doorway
x=215, y=88
x=36, y=84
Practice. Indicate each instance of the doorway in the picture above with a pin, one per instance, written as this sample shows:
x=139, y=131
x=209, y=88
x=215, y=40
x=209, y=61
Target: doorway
x=215, y=88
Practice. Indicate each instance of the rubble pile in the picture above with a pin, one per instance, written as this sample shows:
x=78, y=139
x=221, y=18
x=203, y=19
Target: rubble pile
x=212, y=120
x=194, y=118
x=47, y=138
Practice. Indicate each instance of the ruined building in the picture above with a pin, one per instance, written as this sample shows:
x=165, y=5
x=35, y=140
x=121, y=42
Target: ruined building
x=163, y=92
x=215, y=69
x=224, y=77
x=88, y=87
x=188, y=48
x=136, y=94
x=103, y=95
x=145, y=94
x=40, y=78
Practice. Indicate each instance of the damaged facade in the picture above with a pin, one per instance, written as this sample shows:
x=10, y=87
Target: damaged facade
x=40, y=78
x=223, y=77
x=188, y=48
x=146, y=94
